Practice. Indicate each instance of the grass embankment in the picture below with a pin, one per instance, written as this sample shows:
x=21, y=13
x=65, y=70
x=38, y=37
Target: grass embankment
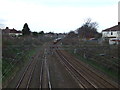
x=98, y=66
x=16, y=52
x=91, y=56
x=12, y=69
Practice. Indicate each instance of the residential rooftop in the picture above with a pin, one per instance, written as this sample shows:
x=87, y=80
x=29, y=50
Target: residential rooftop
x=114, y=28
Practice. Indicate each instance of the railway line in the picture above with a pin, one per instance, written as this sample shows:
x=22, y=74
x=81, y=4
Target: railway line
x=99, y=80
x=44, y=77
x=79, y=78
x=85, y=77
x=26, y=77
x=38, y=72
x=44, y=74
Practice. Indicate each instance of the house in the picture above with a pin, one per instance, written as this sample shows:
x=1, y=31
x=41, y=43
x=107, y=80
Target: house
x=11, y=32
x=112, y=34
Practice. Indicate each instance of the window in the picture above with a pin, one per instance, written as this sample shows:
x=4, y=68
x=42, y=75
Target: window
x=111, y=33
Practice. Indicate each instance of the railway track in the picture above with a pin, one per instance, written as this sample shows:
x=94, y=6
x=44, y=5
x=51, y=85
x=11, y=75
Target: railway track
x=83, y=75
x=26, y=78
x=44, y=73
x=95, y=77
x=79, y=78
x=45, y=76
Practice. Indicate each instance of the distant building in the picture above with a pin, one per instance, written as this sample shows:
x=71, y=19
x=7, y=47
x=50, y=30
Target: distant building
x=112, y=34
x=61, y=35
x=49, y=35
x=11, y=32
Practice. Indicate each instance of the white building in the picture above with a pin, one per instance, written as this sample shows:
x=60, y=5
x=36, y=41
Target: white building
x=15, y=33
x=112, y=34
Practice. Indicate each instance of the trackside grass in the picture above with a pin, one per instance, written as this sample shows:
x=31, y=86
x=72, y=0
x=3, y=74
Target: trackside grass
x=102, y=58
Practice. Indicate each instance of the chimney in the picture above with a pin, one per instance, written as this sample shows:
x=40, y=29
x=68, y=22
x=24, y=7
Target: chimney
x=7, y=28
x=118, y=23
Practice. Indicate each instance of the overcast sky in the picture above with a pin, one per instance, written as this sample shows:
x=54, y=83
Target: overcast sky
x=57, y=15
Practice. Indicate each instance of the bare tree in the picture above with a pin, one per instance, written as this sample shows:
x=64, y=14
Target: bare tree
x=88, y=29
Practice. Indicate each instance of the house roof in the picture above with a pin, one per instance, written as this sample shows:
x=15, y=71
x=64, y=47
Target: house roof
x=15, y=31
x=114, y=28
x=7, y=30
x=19, y=31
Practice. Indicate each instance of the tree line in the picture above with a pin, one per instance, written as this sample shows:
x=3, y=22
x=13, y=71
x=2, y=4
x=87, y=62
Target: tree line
x=87, y=30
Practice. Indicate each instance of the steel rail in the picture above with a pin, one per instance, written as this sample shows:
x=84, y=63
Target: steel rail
x=98, y=76
x=77, y=71
x=73, y=75
x=41, y=73
x=44, y=67
x=20, y=81
x=31, y=74
x=25, y=72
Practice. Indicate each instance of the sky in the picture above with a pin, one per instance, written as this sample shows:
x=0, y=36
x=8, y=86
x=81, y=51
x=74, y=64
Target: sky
x=57, y=16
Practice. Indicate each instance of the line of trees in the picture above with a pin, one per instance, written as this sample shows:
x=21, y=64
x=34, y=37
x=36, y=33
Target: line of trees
x=87, y=30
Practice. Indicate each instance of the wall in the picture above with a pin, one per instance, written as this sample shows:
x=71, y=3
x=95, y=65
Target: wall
x=108, y=34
